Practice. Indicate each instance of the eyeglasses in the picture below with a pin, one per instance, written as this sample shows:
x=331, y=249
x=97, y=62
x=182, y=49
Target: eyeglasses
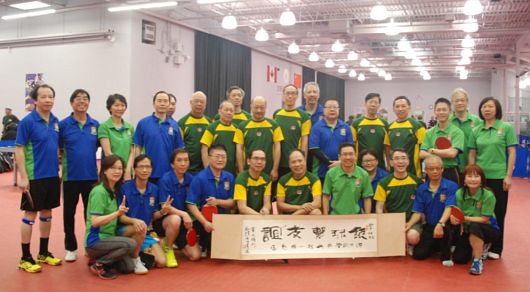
x=258, y=158
x=218, y=157
x=291, y=93
x=369, y=161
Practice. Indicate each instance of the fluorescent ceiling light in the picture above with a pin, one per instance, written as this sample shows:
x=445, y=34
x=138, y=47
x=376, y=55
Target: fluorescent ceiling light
x=463, y=74
x=287, y=18
x=466, y=53
x=468, y=42
x=342, y=69
x=293, y=48
x=459, y=68
x=410, y=54
x=352, y=56
x=427, y=76
x=28, y=14
x=337, y=47
x=142, y=6
x=30, y=5
x=392, y=29
x=229, y=22
x=329, y=63
x=388, y=77
x=424, y=72
x=381, y=73
x=361, y=77
x=404, y=45
x=379, y=12
x=352, y=73
x=374, y=69
x=364, y=63
x=416, y=62
x=262, y=35
x=313, y=57
x=470, y=25
x=473, y=7
x=464, y=61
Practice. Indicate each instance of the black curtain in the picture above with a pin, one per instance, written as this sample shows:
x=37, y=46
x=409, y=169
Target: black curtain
x=308, y=75
x=219, y=64
x=331, y=87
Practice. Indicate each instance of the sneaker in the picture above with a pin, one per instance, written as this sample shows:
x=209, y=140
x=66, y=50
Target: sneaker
x=139, y=267
x=70, y=256
x=448, y=263
x=102, y=272
x=49, y=259
x=204, y=254
x=476, y=267
x=485, y=251
x=171, y=261
x=494, y=255
x=29, y=265
x=410, y=250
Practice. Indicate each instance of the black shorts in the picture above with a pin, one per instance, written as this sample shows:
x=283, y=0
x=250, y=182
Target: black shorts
x=486, y=232
x=45, y=195
x=180, y=241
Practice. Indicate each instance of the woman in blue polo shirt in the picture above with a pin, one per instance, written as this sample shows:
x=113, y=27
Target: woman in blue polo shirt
x=369, y=162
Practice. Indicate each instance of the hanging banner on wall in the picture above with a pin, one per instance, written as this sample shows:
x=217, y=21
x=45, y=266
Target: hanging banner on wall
x=246, y=237
x=32, y=80
x=297, y=80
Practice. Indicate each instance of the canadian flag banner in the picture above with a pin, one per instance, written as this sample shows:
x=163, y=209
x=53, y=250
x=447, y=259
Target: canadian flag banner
x=272, y=74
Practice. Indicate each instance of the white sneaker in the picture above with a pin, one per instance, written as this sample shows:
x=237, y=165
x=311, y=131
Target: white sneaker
x=493, y=255
x=139, y=267
x=204, y=254
x=410, y=250
x=70, y=256
x=448, y=263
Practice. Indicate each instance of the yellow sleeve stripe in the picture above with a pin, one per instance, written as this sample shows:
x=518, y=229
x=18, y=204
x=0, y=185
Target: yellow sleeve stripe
x=380, y=194
x=306, y=128
x=316, y=189
x=268, y=190
x=277, y=135
x=280, y=192
x=240, y=193
x=207, y=138
x=238, y=137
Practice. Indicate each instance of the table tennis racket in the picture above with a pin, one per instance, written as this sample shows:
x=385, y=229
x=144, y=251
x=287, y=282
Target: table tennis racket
x=208, y=211
x=191, y=237
x=457, y=213
x=443, y=143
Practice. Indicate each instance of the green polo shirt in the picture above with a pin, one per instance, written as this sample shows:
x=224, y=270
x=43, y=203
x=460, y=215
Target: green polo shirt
x=346, y=190
x=120, y=139
x=252, y=190
x=453, y=133
x=100, y=203
x=299, y=191
x=397, y=194
x=480, y=204
x=491, y=145
x=191, y=129
x=467, y=125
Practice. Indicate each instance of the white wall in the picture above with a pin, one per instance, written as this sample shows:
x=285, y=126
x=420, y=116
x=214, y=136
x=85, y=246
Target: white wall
x=99, y=66
x=271, y=90
x=421, y=93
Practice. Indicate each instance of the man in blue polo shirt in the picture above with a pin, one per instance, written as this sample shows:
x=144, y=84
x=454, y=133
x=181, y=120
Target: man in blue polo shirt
x=433, y=200
x=173, y=226
x=158, y=136
x=326, y=137
x=212, y=186
x=78, y=141
x=316, y=110
x=37, y=145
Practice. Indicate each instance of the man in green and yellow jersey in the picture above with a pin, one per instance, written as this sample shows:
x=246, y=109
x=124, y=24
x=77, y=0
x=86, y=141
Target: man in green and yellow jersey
x=464, y=120
x=299, y=191
x=407, y=133
x=192, y=127
x=295, y=124
x=223, y=132
x=252, y=191
x=260, y=133
x=370, y=131
x=236, y=95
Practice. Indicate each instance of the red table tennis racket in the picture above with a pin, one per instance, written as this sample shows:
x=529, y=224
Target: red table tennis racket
x=443, y=143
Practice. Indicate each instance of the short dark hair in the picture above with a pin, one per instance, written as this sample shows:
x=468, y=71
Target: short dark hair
x=235, y=87
x=140, y=158
x=295, y=150
x=365, y=152
x=172, y=96
x=289, y=85
x=372, y=95
x=254, y=150
x=35, y=91
x=160, y=92
x=470, y=169
x=177, y=152
x=401, y=97
x=402, y=150
x=113, y=98
x=106, y=164
x=216, y=147
x=345, y=145
x=78, y=91
x=443, y=100
x=498, y=107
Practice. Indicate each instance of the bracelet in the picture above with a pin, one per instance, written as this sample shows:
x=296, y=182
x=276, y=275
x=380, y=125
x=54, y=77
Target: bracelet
x=441, y=223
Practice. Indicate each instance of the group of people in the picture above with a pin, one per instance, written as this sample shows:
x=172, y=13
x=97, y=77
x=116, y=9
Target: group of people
x=155, y=179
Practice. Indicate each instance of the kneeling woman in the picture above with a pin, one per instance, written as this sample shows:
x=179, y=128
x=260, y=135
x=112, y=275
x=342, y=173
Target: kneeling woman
x=480, y=226
x=107, y=251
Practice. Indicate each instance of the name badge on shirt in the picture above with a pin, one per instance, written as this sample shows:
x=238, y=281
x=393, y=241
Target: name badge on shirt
x=358, y=182
x=398, y=134
x=129, y=132
x=56, y=127
x=443, y=197
x=412, y=196
x=170, y=131
x=472, y=124
x=199, y=130
x=151, y=201
x=479, y=205
x=343, y=132
x=93, y=130
x=293, y=128
x=227, y=185
x=499, y=132
x=372, y=130
x=255, y=193
x=258, y=133
x=298, y=192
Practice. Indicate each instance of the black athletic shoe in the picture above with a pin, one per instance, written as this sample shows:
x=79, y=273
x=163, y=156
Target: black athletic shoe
x=102, y=272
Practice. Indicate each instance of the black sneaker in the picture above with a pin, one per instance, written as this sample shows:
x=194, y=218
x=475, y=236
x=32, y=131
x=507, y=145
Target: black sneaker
x=100, y=270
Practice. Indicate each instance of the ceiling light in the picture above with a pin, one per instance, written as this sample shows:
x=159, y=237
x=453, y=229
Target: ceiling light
x=293, y=48
x=388, y=77
x=463, y=74
x=466, y=53
x=352, y=73
x=313, y=57
x=416, y=62
x=329, y=63
x=470, y=25
x=426, y=76
x=142, y=6
x=352, y=56
x=379, y=12
x=464, y=61
x=459, y=68
x=287, y=18
x=28, y=14
x=361, y=77
x=229, y=22
x=410, y=54
x=337, y=47
x=424, y=72
x=364, y=63
x=391, y=29
x=374, y=69
x=473, y=7
x=262, y=35
x=342, y=69
x=30, y=5
x=381, y=73
x=468, y=42
x=404, y=44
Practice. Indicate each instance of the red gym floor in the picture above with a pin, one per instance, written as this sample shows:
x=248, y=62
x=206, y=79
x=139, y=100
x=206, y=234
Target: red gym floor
x=511, y=273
